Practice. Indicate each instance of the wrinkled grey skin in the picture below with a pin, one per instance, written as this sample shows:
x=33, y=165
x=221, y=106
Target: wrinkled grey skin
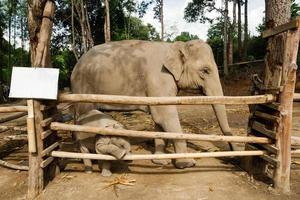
x=115, y=146
x=143, y=68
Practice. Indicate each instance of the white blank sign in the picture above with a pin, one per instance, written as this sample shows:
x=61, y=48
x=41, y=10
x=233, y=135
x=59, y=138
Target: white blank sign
x=34, y=83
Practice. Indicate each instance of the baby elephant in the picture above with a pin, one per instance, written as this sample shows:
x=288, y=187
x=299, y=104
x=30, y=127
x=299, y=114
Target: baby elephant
x=115, y=146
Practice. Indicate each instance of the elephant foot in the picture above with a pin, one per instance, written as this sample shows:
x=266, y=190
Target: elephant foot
x=161, y=161
x=106, y=173
x=88, y=169
x=184, y=163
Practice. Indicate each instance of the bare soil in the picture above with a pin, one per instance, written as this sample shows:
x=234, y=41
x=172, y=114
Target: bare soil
x=210, y=179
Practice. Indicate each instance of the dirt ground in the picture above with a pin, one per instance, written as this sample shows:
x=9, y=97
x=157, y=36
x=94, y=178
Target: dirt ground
x=210, y=179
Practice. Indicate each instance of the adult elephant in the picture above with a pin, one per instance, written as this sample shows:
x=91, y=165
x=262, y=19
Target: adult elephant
x=154, y=69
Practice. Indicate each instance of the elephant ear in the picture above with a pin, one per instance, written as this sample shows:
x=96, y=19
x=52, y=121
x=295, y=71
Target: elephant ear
x=175, y=59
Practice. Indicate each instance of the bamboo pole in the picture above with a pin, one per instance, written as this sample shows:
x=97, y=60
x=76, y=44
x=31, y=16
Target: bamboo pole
x=191, y=100
x=162, y=135
x=63, y=154
x=13, y=109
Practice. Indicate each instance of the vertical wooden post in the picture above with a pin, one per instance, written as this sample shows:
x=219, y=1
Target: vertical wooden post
x=283, y=143
x=40, y=22
x=275, y=120
x=36, y=173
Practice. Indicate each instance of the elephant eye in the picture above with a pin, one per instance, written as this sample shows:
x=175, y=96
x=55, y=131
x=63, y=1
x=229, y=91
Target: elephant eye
x=205, y=70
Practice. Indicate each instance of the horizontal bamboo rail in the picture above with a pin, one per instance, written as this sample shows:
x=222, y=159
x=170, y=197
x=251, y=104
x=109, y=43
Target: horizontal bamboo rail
x=63, y=154
x=13, y=109
x=162, y=135
x=297, y=151
x=188, y=100
x=296, y=96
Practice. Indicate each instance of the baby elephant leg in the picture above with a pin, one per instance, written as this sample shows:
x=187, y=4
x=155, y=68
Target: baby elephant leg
x=87, y=162
x=111, y=149
x=106, y=165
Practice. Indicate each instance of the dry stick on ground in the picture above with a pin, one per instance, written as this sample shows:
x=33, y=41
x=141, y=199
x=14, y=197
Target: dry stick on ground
x=121, y=180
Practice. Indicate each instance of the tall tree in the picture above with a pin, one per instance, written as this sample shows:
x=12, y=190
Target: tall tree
x=158, y=12
x=246, y=34
x=240, y=46
x=225, y=56
x=277, y=72
x=107, y=33
x=232, y=30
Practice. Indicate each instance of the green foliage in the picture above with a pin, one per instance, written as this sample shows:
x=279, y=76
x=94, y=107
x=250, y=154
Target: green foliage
x=65, y=61
x=186, y=36
x=144, y=5
x=197, y=10
x=295, y=9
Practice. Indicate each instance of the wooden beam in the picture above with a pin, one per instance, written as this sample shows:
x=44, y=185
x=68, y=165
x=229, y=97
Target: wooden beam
x=192, y=100
x=246, y=63
x=46, y=133
x=296, y=96
x=13, y=109
x=62, y=154
x=162, y=135
x=31, y=127
x=46, y=162
x=283, y=143
x=14, y=128
x=259, y=127
x=12, y=117
x=13, y=166
x=294, y=24
x=49, y=149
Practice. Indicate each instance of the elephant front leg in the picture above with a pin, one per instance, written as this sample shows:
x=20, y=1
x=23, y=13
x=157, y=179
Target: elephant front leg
x=167, y=118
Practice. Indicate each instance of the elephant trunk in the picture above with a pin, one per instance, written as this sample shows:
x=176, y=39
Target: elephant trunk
x=214, y=88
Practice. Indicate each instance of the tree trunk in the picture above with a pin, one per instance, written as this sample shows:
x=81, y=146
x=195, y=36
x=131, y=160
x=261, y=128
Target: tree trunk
x=245, y=31
x=22, y=41
x=225, y=55
x=280, y=72
x=239, y=30
x=40, y=22
x=107, y=33
x=277, y=12
x=73, y=31
x=162, y=19
x=9, y=32
x=231, y=34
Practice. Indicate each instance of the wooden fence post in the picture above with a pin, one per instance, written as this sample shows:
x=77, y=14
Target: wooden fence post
x=276, y=118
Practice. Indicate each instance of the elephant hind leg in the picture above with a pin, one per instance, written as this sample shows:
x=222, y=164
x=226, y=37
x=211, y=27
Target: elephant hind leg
x=88, y=167
x=167, y=118
x=160, y=146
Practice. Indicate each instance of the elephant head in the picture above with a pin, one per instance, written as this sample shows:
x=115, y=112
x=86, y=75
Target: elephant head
x=193, y=66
